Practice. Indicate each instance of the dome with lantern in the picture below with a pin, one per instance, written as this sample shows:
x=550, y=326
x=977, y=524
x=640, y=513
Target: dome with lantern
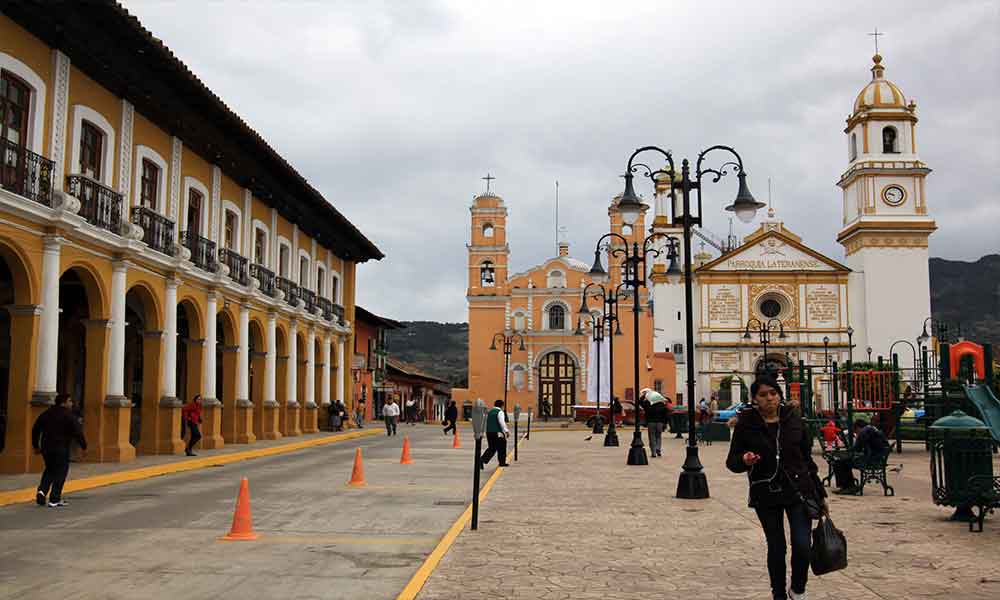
x=880, y=93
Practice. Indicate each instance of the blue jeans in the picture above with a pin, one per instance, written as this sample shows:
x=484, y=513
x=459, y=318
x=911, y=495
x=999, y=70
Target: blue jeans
x=772, y=520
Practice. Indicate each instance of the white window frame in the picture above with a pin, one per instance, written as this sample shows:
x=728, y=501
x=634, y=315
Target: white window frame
x=568, y=316
x=520, y=314
x=283, y=241
x=298, y=268
x=322, y=272
x=258, y=224
x=238, y=230
x=491, y=228
x=206, y=200
x=36, y=104
x=145, y=152
x=81, y=113
x=335, y=287
x=555, y=278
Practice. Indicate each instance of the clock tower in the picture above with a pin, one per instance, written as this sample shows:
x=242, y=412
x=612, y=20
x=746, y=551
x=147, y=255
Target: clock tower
x=886, y=223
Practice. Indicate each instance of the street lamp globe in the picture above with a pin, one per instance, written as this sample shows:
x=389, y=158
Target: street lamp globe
x=745, y=206
x=629, y=205
x=597, y=273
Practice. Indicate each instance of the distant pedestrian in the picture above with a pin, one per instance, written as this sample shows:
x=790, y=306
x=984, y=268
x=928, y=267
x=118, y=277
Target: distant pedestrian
x=450, y=417
x=51, y=435
x=359, y=415
x=617, y=410
x=191, y=420
x=391, y=414
x=546, y=409
x=496, y=434
x=338, y=414
x=411, y=411
x=772, y=446
x=655, y=406
x=713, y=408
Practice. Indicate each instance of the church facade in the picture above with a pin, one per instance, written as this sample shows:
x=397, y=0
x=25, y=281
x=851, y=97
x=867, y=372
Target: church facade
x=879, y=293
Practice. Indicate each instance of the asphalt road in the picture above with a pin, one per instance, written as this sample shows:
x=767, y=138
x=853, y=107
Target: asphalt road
x=159, y=538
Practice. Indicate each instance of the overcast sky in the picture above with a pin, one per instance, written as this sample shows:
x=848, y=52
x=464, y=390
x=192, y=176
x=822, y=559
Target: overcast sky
x=395, y=110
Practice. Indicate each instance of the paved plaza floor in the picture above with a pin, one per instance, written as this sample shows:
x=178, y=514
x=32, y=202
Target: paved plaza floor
x=571, y=521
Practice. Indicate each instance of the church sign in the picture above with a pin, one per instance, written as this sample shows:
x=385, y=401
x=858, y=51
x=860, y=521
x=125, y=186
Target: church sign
x=773, y=254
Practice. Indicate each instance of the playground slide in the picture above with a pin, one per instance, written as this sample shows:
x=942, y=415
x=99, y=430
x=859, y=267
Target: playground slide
x=981, y=396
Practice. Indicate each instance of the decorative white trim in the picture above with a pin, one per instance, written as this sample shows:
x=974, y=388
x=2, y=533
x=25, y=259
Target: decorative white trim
x=545, y=315
x=336, y=287
x=60, y=106
x=176, y=152
x=228, y=205
x=36, y=103
x=147, y=153
x=298, y=268
x=216, y=204
x=206, y=199
x=125, y=155
x=555, y=276
x=283, y=241
x=258, y=224
x=247, y=247
x=274, y=247
x=541, y=355
x=82, y=112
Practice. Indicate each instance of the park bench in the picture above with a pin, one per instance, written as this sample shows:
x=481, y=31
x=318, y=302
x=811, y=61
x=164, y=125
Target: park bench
x=830, y=454
x=984, y=498
x=872, y=469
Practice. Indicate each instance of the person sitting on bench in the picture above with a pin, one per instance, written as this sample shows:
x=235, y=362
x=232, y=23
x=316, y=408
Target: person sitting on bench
x=869, y=443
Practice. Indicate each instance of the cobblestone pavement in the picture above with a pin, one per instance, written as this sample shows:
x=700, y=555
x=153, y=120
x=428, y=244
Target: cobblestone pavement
x=571, y=520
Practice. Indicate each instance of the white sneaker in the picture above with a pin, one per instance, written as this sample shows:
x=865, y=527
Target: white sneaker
x=57, y=504
x=793, y=596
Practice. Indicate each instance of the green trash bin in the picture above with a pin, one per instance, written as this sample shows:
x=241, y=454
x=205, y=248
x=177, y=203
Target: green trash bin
x=961, y=447
x=679, y=423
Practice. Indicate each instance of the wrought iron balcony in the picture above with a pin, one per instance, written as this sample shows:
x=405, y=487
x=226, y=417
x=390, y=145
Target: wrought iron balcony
x=290, y=288
x=325, y=308
x=266, y=279
x=100, y=205
x=25, y=173
x=157, y=230
x=338, y=311
x=202, y=250
x=237, y=265
x=308, y=298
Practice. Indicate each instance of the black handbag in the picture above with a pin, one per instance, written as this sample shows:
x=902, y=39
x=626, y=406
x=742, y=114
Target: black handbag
x=829, y=548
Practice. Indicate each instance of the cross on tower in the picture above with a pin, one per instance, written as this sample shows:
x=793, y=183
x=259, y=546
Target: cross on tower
x=875, y=35
x=488, y=179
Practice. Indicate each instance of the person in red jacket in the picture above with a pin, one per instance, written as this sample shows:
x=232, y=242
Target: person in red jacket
x=51, y=435
x=191, y=417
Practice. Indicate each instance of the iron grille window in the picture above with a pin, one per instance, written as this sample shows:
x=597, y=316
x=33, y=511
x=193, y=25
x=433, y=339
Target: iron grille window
x=150, y=184
x=91, y=146
x=194, y=211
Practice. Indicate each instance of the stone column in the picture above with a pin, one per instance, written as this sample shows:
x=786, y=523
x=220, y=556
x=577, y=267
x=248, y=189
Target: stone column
x=211, y=407
x=310, y=420
x=269, y=428
x=292, y=407
x=244, y=407
x=116, y=351
x=169, y=398
x=342, y=372
x=324, y=383
x=48, y=342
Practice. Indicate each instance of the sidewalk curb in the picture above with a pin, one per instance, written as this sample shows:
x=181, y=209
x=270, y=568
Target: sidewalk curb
x=419, y=578
x=28, y=494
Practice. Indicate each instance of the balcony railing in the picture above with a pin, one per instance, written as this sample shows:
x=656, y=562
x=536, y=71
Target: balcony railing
x=338, y=311
x=25, y=173
x=101, y=206
x=291, y=290
x=237, y=265
x=157, y=230
x=325, y=308
x=308, y=298
x=266, y=279
x=202, y=250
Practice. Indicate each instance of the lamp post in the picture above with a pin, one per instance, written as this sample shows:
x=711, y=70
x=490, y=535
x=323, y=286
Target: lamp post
x=763, y=329
x=692, y=482
x=508, y=343
x=597, y=332
x=869, y=351
x=850, y=344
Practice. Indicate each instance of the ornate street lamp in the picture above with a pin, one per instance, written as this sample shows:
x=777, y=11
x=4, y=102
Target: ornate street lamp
x=763, y=329
x=692, y=482
x=508, y=342
x=597, y=332
x=609, y=300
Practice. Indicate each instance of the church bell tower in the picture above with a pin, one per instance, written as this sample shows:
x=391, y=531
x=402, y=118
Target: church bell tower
x=488, y=248
x=886, y=224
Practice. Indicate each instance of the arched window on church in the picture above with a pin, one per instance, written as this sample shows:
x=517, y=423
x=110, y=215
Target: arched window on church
x=854, y=146
x=889, y=141
x=556, y=279
x=488, y=230
x=486, y=274
x=557, y=317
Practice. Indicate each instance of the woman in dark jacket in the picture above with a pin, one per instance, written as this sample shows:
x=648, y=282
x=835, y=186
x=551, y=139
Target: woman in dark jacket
x=450, y=417
x=771, y=445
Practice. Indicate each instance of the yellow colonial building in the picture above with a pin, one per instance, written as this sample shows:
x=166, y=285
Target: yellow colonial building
x=541, y=303
x=154, y=247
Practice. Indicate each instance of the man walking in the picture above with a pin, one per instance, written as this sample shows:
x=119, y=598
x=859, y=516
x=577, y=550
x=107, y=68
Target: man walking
x=655, y=406
x=51, y=435
x=496, y=434
x=191, y=419
x=450, y=417
x=391, y=413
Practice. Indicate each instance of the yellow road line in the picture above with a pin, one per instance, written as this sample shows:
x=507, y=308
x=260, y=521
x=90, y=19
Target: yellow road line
x=424, y=572
x=346, y=540
x=87, y=483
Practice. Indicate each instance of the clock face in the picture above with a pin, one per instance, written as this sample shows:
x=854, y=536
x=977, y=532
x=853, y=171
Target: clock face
x=626, y=230
x=893, y=195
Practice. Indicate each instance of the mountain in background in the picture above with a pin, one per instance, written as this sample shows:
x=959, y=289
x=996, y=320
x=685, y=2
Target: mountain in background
x=966, y=293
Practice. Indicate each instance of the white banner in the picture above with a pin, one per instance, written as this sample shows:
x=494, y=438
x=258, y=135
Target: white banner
x=605, y=372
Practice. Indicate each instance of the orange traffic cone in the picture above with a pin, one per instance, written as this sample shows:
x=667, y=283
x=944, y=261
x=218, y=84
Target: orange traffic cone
x=405, y=459
x=455, y=442
x=242, y=528
x=358, y=473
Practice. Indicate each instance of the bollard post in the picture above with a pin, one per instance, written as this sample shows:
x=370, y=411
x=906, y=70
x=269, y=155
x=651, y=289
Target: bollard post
x=517, y=417
x=527, y=434
x=478, y=425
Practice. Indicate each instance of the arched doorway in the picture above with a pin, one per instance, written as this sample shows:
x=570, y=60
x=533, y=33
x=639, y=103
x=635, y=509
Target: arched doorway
x=71, y=363
x=226, y=372
x=557, y=383
x=300, y=371
x=190, y=346
x=18, y=326
x=281, y=379
x=772, y=364
x=6, y=298
x=258, y=365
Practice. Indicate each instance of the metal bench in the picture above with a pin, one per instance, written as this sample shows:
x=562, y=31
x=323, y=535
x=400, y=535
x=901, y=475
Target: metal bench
x=872, y=469
x=984, y=498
